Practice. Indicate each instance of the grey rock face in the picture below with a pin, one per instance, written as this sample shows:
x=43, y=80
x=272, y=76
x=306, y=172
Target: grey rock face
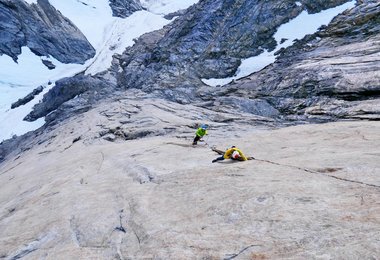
x=43, y=29
x=124, y=8
x=256, y=106
x=160, y=198
x=332, y=74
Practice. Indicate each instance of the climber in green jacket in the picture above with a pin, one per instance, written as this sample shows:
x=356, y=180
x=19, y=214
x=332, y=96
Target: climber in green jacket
x=202, y=131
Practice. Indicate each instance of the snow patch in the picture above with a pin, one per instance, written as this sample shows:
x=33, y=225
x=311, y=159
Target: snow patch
x=30, y=71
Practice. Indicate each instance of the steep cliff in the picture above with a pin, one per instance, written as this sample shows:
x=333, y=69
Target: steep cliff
x=43, y=29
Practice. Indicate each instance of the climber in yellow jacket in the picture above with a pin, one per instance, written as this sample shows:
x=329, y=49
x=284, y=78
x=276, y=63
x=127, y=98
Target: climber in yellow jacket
x=202, y=131
x=232, y=153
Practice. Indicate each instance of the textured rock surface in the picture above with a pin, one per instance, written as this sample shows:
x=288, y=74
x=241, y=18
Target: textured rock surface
x=312, y=193
x=43, y=29
x=124, y=8
x=126, y=119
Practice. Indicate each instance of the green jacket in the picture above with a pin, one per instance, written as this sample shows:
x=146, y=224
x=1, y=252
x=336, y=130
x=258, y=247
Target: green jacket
x=201, y=132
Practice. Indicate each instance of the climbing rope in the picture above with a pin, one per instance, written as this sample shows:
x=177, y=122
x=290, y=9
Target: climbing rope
x=319, y=173
x=305, y=170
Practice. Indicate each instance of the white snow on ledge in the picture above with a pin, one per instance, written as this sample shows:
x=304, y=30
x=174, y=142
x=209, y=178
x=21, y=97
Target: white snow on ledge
x=297, y=28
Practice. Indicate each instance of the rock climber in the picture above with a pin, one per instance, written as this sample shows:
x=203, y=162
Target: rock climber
x=201, y=131
x=233, y=153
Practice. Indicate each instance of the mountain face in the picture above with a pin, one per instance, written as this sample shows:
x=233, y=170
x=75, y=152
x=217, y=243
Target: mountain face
x=208, y=41
x=43, y=29
x=113, y=174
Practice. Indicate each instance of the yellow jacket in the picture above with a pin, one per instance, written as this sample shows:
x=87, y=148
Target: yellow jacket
x=228, y=154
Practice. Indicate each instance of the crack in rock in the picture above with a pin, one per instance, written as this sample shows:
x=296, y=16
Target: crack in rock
x=232, y=256
x=121, y=228
x=324, y=173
